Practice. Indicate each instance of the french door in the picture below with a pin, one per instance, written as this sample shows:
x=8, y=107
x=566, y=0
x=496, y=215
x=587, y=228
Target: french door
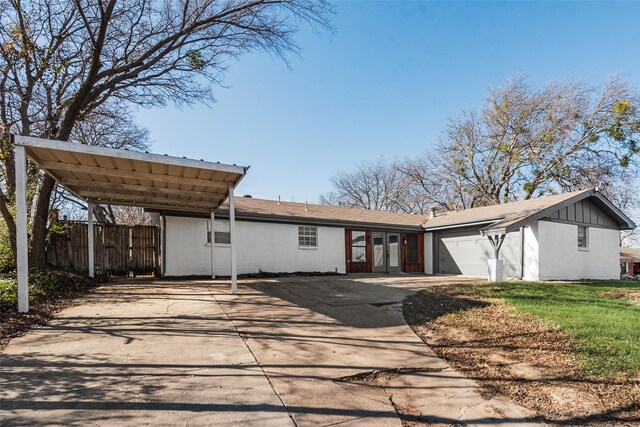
x=386, y=252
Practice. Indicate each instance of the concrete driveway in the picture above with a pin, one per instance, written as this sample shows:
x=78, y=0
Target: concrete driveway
x=288, y=351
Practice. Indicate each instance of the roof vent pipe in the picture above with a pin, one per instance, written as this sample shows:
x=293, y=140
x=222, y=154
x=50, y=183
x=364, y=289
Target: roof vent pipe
x=278, y=199
x=306, y=206
x=432, y=212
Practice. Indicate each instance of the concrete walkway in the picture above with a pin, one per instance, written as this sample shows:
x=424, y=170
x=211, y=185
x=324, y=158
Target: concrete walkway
x=172, y=353
x=137, y=353
x=308, y=333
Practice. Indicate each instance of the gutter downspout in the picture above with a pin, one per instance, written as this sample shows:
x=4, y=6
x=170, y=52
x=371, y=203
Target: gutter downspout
x=522, y=253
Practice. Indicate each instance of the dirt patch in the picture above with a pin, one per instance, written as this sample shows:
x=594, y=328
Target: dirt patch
x=519, y=357
x=43, y=307
x=382, y=375
x=409, y=416
x=632, y=295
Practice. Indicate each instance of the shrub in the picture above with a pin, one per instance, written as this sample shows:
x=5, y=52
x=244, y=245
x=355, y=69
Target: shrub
x=6, y=255
x=40, y=283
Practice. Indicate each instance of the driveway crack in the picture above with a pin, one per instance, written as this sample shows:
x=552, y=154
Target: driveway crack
x=243, y=337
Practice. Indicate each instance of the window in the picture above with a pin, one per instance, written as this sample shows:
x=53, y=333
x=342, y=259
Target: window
x=583, y=237
x=307, y=237
x=358, y=246
x=413, y=255
x=223, y=232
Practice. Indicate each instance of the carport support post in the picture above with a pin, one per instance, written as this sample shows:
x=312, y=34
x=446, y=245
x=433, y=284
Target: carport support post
x=90, y=244
x=213, y=243
x=232, y=240
x=22, y=255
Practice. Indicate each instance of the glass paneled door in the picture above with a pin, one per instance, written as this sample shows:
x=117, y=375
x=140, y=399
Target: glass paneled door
x=394, y=253
x=379, y=253
x=386, y=253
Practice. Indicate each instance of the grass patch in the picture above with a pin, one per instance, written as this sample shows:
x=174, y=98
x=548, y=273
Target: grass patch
x=605, y=330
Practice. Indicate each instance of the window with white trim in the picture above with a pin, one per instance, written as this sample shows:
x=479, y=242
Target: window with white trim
x=222, y=232
x=583, y=237
x=307, y=236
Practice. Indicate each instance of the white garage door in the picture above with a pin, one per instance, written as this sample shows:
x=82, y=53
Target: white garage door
x=467, y=251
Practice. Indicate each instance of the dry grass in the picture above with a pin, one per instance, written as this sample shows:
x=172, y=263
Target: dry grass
x=522, y=357
x=632, y=295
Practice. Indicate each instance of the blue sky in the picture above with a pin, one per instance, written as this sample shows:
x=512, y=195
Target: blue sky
x=385, y=83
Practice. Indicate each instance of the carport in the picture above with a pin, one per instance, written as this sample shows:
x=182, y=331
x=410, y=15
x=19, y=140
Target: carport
x=120, y=177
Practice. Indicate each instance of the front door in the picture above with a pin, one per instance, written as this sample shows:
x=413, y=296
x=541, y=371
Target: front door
x=379, y=253
x=393, y=253
x=386, y=253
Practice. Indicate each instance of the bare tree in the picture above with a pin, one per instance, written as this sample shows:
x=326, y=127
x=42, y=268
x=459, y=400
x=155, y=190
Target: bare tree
x=436, y=183
x=375, y=185
x=131, y=215
x=62, y=60
x=528, y=142
x=625, y=193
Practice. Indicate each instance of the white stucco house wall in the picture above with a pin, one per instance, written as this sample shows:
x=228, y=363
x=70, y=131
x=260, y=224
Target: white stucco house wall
x=261, y=247
x=570, y=236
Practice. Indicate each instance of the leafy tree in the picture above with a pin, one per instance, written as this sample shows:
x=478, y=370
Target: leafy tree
x=64, y=61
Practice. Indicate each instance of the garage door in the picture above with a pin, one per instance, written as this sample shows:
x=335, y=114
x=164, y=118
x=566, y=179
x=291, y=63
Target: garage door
x=467, y=251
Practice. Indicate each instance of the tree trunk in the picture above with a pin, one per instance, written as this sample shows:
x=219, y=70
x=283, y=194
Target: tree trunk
x=38, y=257
x=11, y=226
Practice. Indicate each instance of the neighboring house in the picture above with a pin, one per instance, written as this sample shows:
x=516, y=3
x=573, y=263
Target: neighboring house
x=630, y=261
x=567, y=237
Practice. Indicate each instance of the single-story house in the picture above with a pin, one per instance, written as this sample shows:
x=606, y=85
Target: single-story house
x=568, y=236
x=630, y=261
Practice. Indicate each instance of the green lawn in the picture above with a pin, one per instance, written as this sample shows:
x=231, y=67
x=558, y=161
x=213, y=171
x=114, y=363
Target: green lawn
x=606, y=330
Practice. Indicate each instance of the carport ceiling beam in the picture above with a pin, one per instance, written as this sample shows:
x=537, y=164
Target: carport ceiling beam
x=156, y=206
x=114, y=198
x=81, y=185
x=119, y=173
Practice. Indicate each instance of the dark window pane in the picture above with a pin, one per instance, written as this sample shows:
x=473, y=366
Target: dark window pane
x=413, y=254
x=222, y=237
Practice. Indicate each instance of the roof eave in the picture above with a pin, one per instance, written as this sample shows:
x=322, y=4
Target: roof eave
x=28, y=141
x=460, y=224
x=624, y=222
x=282, y=219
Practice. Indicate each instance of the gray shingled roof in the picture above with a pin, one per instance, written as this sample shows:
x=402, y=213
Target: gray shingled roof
x=250, y=208
x=497, y=217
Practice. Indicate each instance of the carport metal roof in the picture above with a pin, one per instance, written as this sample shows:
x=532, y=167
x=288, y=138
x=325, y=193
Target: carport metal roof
x=121, y=177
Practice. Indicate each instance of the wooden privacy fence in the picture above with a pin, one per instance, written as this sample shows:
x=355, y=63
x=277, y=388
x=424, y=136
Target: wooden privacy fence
x=119, y=249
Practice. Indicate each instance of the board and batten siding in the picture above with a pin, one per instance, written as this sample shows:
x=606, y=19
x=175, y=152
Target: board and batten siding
x=261, y=246
x=584, y=212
